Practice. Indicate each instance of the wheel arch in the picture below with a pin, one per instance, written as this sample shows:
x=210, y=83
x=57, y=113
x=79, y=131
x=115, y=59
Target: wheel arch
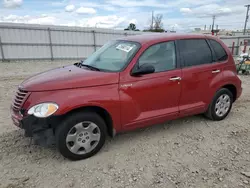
x=230, y=86
x=232, y=89
x=101, y=112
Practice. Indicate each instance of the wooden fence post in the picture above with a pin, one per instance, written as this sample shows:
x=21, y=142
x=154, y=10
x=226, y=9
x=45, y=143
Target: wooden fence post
x=1, y=49
x=50, y=45
x=94, y=39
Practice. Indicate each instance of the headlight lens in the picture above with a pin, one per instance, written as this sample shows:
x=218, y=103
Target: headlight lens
x=43, y=110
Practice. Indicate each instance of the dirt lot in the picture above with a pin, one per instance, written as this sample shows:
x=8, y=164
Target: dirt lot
x=189, y=152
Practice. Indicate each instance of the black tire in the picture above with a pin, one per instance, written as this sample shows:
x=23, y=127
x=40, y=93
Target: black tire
x=211, y=112
x=63, y=129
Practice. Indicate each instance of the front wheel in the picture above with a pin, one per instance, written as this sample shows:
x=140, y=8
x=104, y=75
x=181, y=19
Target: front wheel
x=81, y=135
x=220, y=106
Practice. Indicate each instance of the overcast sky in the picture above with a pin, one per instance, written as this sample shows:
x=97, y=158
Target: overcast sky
x=183, y=15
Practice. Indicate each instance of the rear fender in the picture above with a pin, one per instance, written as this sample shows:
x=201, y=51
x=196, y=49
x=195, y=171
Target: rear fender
x=221, y=80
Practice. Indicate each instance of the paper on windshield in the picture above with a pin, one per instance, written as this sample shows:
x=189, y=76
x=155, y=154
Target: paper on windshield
x=124, y=47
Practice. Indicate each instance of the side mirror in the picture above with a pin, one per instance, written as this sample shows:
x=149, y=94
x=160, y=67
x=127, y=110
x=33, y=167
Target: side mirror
x=144, y=69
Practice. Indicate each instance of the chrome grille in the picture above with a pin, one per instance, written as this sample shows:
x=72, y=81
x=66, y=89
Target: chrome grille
x=19, y=99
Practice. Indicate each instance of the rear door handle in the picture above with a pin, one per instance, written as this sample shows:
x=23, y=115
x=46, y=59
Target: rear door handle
x=215, y=71
x=175, y=78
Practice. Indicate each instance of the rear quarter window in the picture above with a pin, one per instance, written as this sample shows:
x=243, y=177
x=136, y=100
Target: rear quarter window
x=219, y=51
x=195, y=52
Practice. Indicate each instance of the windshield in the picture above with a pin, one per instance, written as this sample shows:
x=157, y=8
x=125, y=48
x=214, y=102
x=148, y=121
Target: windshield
x=113, y=56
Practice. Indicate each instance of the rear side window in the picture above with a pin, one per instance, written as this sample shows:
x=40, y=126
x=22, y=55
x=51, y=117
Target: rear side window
x=195, y=52
x=220, y=53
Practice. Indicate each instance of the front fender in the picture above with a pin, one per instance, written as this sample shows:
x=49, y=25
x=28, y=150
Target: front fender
x=106, y=97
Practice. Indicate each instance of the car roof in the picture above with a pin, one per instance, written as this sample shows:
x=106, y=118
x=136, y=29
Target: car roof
x=158, y=37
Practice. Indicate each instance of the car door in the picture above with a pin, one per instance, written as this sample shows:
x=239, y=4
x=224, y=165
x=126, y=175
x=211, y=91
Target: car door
x=152, y=98
x=198, y=74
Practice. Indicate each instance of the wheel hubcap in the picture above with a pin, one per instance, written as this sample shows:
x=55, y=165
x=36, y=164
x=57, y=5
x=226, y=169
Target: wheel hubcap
x=83, y=137
x=222, y=105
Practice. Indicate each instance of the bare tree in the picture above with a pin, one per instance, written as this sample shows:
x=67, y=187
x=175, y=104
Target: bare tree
x=158, y=25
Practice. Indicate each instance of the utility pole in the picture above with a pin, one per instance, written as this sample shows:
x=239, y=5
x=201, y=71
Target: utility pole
x=247, y=16
x=152, y=21
x=213, y=25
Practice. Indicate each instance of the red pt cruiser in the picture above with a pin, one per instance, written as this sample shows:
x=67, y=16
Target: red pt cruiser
x=128, y=83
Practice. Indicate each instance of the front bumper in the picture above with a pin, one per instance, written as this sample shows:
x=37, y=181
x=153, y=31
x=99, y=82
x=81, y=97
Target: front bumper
x=16, y=117
x=42, y=130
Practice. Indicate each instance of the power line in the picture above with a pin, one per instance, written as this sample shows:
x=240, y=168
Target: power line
x=247, y=16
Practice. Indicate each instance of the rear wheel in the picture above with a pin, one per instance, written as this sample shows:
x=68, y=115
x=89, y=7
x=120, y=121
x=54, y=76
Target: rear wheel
x=220, y=106
x=81, y=135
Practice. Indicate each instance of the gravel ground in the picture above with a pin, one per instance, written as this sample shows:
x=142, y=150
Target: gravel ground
x=189, y=152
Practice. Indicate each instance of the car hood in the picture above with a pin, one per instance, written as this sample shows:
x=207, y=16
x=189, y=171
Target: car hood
x=68, y=77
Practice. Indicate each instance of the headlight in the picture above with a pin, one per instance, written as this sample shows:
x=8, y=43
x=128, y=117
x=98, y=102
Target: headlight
x=43, y=110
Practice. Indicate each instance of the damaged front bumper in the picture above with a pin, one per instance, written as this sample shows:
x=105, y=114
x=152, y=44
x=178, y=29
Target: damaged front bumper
x=41, y=130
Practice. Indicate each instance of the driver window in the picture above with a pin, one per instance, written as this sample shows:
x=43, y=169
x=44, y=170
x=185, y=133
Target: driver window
x=162, y=56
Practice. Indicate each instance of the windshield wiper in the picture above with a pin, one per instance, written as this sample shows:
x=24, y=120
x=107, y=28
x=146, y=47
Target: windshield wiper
x=90, y=67
x=80, y=64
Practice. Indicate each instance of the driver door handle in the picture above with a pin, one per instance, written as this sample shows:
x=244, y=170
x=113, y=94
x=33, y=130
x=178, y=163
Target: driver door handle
x=175, y=78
